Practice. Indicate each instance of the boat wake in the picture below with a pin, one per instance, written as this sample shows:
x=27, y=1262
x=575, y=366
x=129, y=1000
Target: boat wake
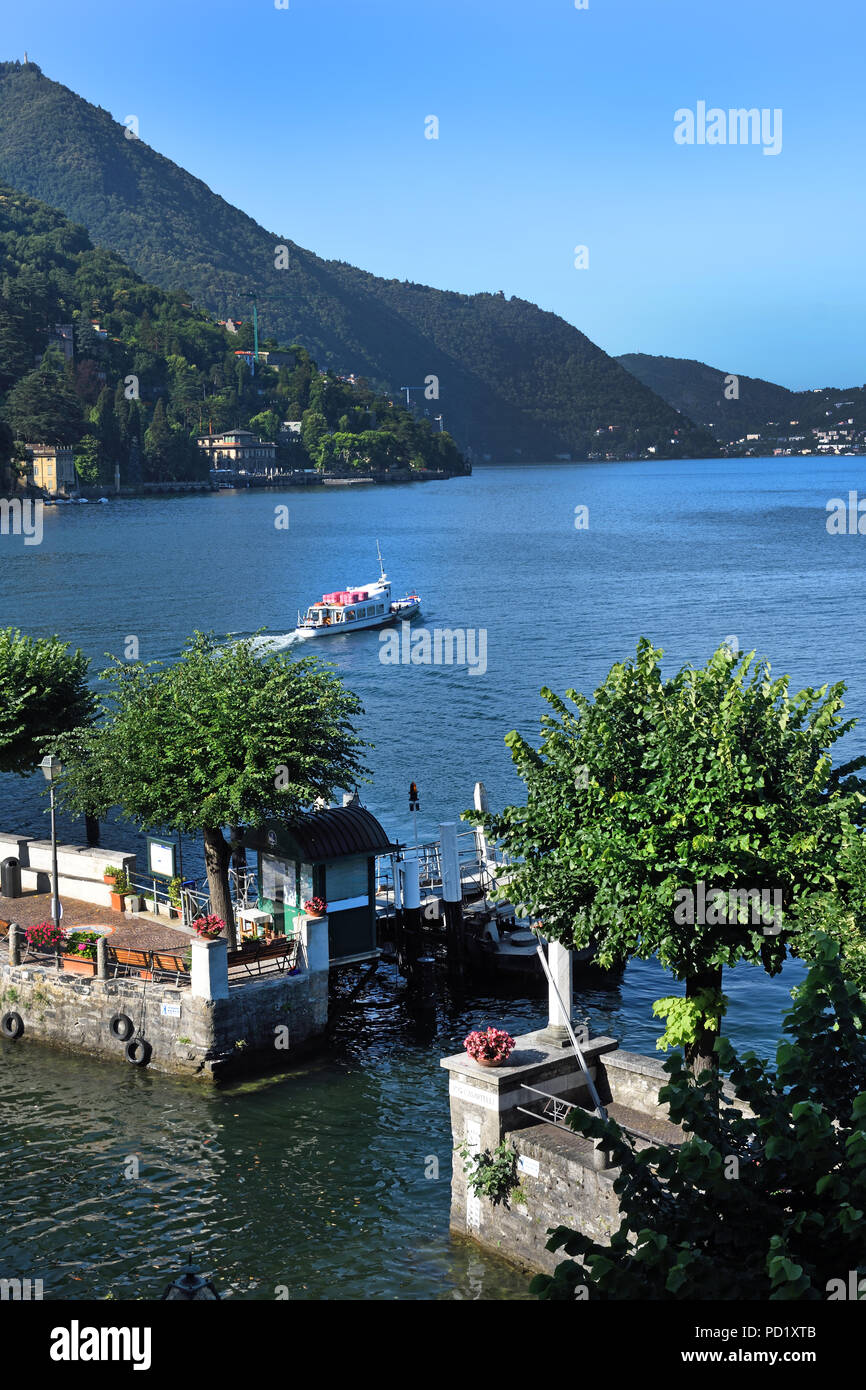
x=278, y=641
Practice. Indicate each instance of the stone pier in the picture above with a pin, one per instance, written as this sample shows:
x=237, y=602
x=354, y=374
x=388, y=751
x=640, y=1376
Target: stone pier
x=563, y=1180
x=209, y=1027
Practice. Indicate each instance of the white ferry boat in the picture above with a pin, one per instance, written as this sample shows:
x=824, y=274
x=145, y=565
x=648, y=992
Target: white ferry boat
x=365, y=605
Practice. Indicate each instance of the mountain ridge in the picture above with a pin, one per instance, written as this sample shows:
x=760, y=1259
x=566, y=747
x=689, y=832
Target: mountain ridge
x=515, y=381
x=758, y=406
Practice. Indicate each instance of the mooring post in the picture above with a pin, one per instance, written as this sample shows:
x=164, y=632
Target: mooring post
x=14, y=944
x=399, y=935
x=481, y=803
x=411, y=913
x=559, y=987
x=101, y=958
x=452, y=892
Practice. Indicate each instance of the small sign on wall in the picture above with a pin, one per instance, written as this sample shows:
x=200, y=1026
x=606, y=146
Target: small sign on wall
x=169, y=1010
x=529, y=1166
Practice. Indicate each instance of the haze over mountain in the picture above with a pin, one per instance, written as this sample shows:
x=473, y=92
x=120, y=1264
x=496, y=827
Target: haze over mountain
x=759, y=406
x=515, y=381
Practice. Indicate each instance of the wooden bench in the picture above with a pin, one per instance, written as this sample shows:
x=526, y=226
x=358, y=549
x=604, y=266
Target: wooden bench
x=147, y=965
x=282, y=953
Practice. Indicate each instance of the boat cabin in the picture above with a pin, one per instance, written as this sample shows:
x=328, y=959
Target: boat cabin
x=349, y=606
x=329, y=855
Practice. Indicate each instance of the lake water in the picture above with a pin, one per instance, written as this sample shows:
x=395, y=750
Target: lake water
x=317, y=1181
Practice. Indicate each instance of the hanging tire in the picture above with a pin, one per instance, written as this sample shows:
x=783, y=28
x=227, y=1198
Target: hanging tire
x=138, y=1052
x=11, y=1025
x=121, y=1027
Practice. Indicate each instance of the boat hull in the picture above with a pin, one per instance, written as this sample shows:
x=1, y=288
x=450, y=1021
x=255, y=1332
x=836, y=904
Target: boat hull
x=339, y=629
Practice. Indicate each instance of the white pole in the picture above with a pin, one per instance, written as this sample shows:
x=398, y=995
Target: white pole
x=554, y=992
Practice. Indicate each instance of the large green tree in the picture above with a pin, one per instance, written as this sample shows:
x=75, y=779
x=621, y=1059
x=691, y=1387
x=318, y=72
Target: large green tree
x=765, y=1197
x=658, y=791
x=228, y=735
x=43, y=408
x=43, y=694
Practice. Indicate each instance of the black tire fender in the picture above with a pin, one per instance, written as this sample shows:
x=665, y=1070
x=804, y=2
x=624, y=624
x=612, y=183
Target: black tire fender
x=121, y=1027
x=138, y=1052
x=11, y=1025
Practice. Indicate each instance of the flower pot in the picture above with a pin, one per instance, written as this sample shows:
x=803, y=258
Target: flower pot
x=490, y=1061
x=117, y=902
x=79, y=965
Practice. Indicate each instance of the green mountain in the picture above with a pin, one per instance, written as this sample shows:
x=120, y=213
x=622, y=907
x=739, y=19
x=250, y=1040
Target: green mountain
x=514, y=381
x=759, y=407
x=91, y=355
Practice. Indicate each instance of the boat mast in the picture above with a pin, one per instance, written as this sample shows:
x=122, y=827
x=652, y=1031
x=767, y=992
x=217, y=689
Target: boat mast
x=382, y=574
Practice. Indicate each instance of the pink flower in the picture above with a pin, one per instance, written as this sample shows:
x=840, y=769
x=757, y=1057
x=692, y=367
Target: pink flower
x=209, y=926
x=493, y=1044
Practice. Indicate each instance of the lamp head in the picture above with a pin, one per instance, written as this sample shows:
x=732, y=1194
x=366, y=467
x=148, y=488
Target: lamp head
x=51, y=767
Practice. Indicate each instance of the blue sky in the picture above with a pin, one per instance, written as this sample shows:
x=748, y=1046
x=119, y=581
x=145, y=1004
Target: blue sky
x=555, y=130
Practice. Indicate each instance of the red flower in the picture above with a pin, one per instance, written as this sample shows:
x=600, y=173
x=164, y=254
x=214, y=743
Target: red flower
x=209, y=926
x=493, y=1044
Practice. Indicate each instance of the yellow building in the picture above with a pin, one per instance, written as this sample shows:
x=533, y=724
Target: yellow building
x=52, y=467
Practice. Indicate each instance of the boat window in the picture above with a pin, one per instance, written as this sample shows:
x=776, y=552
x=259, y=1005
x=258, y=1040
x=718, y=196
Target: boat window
x=350, y=616
x=381, y=608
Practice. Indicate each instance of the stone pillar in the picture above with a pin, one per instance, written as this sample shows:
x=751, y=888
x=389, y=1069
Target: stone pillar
x=210, y=972
x=559, y=964
x=14, y=944
x=102, y=958
x=314, y=935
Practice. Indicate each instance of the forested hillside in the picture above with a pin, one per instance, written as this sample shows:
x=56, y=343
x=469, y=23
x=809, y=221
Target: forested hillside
x=757, y=407
x=148, y=371
x=514, y=382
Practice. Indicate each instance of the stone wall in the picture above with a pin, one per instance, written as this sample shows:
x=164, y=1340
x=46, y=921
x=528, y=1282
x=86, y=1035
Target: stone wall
x=563, y=1180
x=80, y=868
x=258, y=1024
x=628, y=1078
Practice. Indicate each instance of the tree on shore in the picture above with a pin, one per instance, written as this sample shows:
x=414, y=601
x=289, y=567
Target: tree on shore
x=44, y=694
x=226, y=736
x=764, y=1200
x=660, y=810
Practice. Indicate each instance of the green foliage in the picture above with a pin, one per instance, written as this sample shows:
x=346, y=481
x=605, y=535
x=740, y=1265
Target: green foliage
x=82, y=944
x=42, y=407
x=765, y=1199
x=493, y=1174
x=687, y=1017
x=157, y=371
x=519, y=383
x=170, y=749
x=717, y=776
x=45, y=694
x=759, y=406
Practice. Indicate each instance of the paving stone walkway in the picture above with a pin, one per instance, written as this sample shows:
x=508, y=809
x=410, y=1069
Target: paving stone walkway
x=139, y=934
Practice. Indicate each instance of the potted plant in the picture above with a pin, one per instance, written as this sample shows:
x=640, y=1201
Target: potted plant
x=175, y=896
x=120, y=887
x=80, y=956
x=316, y=907
x=208, y=927
x=490, y=1047
x=110, y=874
x=44, y=936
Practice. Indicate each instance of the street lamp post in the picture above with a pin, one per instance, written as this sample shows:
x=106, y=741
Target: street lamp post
x=51, y=770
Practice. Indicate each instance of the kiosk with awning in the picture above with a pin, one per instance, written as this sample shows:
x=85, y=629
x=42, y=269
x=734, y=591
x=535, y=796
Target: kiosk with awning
x=329, y=855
